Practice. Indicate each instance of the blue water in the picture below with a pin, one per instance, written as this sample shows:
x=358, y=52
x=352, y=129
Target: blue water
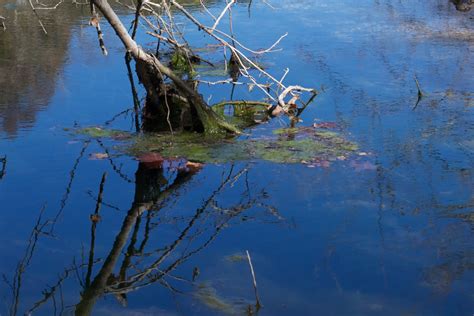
x=389, y=232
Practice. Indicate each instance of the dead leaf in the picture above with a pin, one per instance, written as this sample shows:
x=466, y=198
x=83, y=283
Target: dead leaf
x=194, y=166
x=94, y=21
x=95, y=218
x=98, y=156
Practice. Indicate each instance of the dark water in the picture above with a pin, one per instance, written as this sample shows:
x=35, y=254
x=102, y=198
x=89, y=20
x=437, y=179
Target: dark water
x=389, y=232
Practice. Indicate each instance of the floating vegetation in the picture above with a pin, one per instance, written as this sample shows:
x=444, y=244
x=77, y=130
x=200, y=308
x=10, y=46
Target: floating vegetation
x=99, y=132
x=208, y=295
x=242, y=114
x=319, y=146
x=181, y=63
x=206, y=70
x=236, y=257
x=308, y=145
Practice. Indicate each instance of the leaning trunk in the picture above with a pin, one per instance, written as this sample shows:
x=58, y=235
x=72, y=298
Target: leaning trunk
x=151, y=72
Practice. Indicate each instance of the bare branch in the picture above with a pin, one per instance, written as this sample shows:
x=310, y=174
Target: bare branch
x=227, y=7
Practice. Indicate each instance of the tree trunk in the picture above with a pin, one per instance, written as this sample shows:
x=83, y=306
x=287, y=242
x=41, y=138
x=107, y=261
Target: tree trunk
x=151, y=70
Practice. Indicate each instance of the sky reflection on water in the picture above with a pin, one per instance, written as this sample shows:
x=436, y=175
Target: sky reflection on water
x=388, y=232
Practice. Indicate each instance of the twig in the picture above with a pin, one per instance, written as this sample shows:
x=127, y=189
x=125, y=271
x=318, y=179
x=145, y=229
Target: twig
x=95, y=21
x=420, y=93
x=287, y=70
x=291, y=89
x=38, y=17
x=95, y=218
x=257, y=303
x=227, y=7
x=45, y=7
x=23, y=264
x=3, y=23
x=168, y=110
x=137, y=16
x=89, y=192
x=111, y=120
x=4, y=167
x=305, y=105
x=72, y=174
x=207, y=11
x=118, y=170
x=136, y=100
x=101, y=193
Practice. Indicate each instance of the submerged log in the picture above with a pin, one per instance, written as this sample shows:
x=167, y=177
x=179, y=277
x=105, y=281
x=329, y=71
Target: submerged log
x=151, y=73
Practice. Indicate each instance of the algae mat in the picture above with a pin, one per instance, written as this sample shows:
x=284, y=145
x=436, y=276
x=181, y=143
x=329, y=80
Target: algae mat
x=295, y=145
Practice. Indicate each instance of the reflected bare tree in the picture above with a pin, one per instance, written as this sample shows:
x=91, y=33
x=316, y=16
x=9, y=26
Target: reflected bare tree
x=15, y=284
x=3, y=171
x=145, y=261
x=153, y=190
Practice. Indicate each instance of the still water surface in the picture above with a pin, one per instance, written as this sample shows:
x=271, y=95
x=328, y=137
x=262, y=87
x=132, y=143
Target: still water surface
x=389, y=232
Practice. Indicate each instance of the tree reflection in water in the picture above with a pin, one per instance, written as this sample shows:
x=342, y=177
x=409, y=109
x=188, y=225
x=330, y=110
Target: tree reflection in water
x=143, y=263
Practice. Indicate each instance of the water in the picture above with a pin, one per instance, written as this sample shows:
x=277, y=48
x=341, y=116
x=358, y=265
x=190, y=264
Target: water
x=388, y=232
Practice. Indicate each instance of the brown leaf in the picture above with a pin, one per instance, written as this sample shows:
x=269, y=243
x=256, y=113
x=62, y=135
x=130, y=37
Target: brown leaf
x=95, y=218
x=98, y=156
x=94, y=21
x=194, y=165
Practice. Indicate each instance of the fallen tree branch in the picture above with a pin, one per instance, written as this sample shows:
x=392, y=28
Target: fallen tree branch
x=38, y=17
x=95, y=21
x=291, y=90
x=211, y=122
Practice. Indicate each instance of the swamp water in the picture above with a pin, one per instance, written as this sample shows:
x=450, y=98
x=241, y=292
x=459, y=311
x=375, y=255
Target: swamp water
x=384, y=227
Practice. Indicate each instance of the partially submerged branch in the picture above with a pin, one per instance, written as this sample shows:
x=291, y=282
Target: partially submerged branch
x=95, y=22
x=150, y=69
x=155, y=75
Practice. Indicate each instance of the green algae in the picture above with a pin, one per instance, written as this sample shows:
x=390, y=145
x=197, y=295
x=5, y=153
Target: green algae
x=181, y=63
x=236, y=257
x=195, y=147
x=207, y=295
x=99, y=132
x=290, y=145
x=242, y=114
